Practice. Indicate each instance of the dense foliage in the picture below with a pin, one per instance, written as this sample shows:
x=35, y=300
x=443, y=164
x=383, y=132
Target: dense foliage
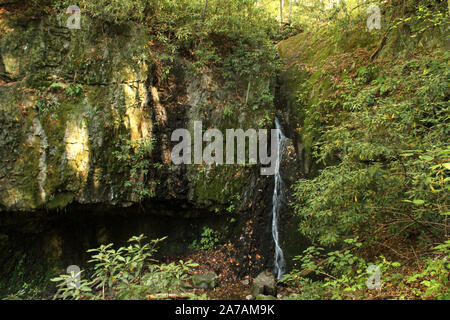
x=388, y=142
x=378, y=133
x=344, y=274
x=233, y=36
x=126, y=273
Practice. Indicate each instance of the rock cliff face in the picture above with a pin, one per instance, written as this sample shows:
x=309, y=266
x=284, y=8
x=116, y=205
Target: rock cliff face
x=79, y=108
x=86, y=118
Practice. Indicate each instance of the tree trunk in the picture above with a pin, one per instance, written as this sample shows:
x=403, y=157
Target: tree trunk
x=290, y=11
x=281, y=11
x=204, y=10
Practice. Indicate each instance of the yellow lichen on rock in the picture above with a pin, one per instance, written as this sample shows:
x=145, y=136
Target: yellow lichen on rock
x=76, y=142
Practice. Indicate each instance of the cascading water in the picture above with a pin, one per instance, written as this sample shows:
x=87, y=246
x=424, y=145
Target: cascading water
x=276, y=204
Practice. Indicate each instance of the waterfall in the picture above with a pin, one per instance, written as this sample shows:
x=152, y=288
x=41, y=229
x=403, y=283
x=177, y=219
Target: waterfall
x=276, y=204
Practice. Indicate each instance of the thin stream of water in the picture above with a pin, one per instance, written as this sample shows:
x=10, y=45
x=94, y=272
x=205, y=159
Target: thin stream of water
x=277, y=197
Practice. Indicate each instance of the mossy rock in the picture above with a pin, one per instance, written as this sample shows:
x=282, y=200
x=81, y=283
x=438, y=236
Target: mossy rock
x=205, y=281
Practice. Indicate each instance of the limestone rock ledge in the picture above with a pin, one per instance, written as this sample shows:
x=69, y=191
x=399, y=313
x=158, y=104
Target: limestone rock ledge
x=76, y=105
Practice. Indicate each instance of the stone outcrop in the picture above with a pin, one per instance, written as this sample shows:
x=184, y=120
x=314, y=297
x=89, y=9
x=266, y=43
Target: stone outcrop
x=79, y=96
x=207, y=280
x=264, y=285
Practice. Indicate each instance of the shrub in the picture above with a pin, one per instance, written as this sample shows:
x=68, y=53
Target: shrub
x=209, y=239
x=337, y=274
x=127, y=273
x=387, y=154
x=435, y=276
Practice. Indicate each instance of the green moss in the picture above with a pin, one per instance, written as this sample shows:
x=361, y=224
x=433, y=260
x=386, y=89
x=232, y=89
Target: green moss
x=220, y=184
x=312, y=64
x=29, y=164
x=59, y=201
x=58, y=173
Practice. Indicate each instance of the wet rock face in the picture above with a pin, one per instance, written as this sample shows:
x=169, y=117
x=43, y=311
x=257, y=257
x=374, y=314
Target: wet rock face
x=71, y=100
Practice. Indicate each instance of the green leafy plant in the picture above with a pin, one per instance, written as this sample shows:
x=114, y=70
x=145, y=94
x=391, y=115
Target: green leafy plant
x=209, y=239
x=134, y=154
x=228, y=111
x=26, y=292
x=46, y=102
x=340, y=274
x=74, y=89
x=114, y=11
x=435, y=276
x=403, y=183
x=129, y=272
x=72, y=291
